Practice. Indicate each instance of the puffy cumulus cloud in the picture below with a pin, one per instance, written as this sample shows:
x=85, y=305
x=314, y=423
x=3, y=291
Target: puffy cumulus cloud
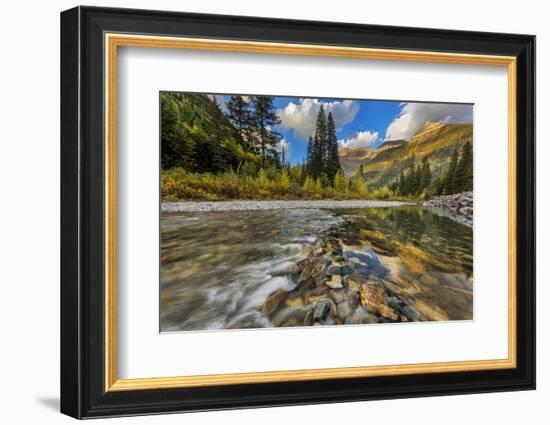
x=413, y=117
x=286, y=145
x=361, y=139
x=301, y=116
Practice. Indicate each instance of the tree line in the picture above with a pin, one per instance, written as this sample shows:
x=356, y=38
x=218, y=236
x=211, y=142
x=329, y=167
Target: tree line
x=198, y=136
x=458, y=177
x=416, y=180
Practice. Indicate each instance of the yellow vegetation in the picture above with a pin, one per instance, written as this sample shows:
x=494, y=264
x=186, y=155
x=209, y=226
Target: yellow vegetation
x=178, y=184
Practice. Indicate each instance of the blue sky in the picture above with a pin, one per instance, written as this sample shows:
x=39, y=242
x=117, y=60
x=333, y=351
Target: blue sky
x=359, y=123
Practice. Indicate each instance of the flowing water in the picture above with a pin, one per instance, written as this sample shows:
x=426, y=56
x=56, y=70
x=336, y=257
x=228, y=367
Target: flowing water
x=218, y=268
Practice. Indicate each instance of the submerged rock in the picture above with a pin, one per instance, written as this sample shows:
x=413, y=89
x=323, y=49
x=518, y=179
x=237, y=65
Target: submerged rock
x=396, y=303
x=354, y=281
x=371, y=295
x=339, y=283
x=344, y=309
x=387, y=312
x=410, y=313
x=361, y=317
x=321, y=310
x=290, y=316
x=334, y=268
x=335, y=282
x=273, y=301
x=341, y=295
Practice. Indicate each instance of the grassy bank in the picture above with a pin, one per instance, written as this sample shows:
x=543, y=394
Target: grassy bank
x=178, y=184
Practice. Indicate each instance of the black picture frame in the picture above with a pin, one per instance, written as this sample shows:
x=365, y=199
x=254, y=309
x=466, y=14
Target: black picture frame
x=83, y=392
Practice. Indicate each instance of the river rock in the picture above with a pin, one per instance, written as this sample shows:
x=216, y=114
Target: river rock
x=294, y=301
x=306, y=249
x=335, y=282
x=410, y=313
x=396, y=303
x=319, y=272
x=346, y=269
x=344, y=309
x=371, y=295
x=387, y=312
x=466, y=211
x=334, y=268
x=273, y=301
x=338, y=295
x=306, y=266
x=290, y=316
x=342, y=295
x=460, y=204
x=321, y=310
x=354, y=283
x=361, y=317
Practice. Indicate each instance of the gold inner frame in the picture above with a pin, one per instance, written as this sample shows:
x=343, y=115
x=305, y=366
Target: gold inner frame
x=113, y=41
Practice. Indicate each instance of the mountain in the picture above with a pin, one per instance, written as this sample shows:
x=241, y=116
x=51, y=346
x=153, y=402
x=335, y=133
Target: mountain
x=352, y=158
x=390, y=144
x=382, y=165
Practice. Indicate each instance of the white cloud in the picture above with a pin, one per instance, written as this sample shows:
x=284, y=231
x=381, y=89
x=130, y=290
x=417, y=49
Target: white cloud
x=286, y=145
x=413, y=117
x=361, y=139
x=301, y=117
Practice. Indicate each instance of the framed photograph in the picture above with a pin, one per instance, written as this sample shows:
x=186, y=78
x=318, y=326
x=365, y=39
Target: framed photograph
x=261, y=212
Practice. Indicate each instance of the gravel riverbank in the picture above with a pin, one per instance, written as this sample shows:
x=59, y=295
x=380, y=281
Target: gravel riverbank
x=193, y=206
x=459, y=206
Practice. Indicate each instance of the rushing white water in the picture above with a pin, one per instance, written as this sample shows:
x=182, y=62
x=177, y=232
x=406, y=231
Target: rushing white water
x=219, y=267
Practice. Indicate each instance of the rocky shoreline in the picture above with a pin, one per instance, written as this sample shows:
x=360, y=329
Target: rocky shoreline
x=460, y=205
x=331, y=288
x=206, y=206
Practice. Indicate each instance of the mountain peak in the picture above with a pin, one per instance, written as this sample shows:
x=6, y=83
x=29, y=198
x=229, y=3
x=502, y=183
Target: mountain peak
x=389, y=144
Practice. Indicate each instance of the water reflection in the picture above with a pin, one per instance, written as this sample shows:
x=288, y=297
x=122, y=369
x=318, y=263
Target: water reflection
x=218, y=268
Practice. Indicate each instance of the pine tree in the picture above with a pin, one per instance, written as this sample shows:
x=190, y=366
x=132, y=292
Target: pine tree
x=426, y=177
x=410, y=181
x=450, y=181
x=332, y=160
x=303, y=172
x=465, y=169
x=321, y=135
x=401, y=183
x=319, y=142
x=418, y=179
x=309, y=156
x=264, y=117
x=238, y=112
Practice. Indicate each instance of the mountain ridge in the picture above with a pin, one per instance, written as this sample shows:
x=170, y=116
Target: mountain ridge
x=435, y=140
